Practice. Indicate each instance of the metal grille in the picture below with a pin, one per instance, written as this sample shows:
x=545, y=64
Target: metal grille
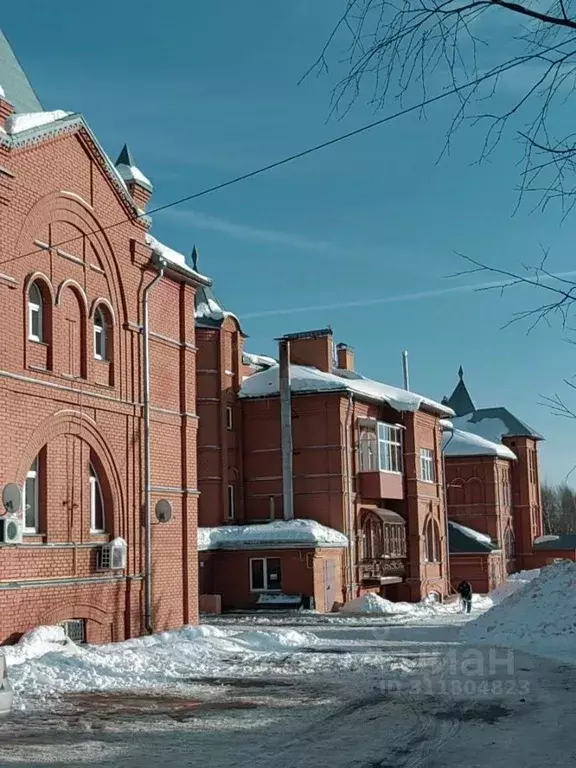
x=75, y=629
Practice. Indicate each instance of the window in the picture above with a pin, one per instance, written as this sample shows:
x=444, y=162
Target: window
x=30, y=499
x=229, y=420
x=432, y=542
x=75, y=629
x=368, y=451
x=265, y=574
x=427, y=473
x=97, y=522
x=231, y=502
x=100, y=351
x=35, y=307
x=389, y=448
x=372, y=540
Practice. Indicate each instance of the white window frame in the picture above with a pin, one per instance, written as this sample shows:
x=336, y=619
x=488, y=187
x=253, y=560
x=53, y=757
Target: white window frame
x=266, y=587
x=231, y=502
x=35, y=308
x=229, y=418
x=96, y=488
x=390, y=448
x=32, y=474
x=427, y=465
x=100, y=335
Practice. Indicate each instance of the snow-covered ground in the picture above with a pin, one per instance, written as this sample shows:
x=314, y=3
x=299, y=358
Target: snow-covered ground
x=414, y=687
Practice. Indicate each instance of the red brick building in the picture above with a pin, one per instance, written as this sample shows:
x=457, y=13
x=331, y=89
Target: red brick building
x=76, y=262
x=493, y=491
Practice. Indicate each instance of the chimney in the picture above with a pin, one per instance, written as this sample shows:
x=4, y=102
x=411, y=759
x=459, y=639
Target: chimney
x=139, y=187
x=6, y=109
x=312, y=348
x=345, y=357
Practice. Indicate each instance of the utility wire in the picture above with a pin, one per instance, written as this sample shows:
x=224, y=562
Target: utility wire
x=290, y=158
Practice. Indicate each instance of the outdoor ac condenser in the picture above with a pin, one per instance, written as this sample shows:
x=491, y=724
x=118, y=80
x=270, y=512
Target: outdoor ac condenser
x=11, y=530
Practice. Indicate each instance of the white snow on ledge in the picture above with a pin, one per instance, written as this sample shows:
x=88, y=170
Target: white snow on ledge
x=172, y=256
x=308, y=379
x=483, y=538
x=457, y=442
x=209, y=310
x=131, y=173
x=18, y=123
x=278, y=534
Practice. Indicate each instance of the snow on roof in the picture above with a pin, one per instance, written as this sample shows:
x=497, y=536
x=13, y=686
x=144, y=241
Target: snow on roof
x=276, y=534
x=259, y=360
x=2, y=93
x=460, y=443
x=132, y=173
x=172, y=256
x=17, y=123
x=209, y=309
x=471, y=533
x=308, y=379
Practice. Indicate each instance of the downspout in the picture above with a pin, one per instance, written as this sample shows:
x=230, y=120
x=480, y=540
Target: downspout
x=445, y=503
x=351, y=526
x=161, y=263
x=286, y=429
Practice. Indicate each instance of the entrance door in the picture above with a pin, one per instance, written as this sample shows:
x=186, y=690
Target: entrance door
x=329, y=583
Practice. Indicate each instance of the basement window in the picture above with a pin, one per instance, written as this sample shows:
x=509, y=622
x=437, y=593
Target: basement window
x=265, y=574
x=75, y=630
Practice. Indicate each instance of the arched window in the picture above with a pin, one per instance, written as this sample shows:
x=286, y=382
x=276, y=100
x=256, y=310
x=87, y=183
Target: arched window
x=35, y=313
x=100, y=335
x=368, y=445
x=97, y=517
x=509, y=544
x=372, y=538
x=433, y=553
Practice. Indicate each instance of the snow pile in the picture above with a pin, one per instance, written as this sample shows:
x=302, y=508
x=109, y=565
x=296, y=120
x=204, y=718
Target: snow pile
x=539, y=617
x=374, y=604
x=460, y=443
x=258, y=361
x=44, y=663
x=278, y=533
x=307, y=379
x=515, y=582
x=17, y=123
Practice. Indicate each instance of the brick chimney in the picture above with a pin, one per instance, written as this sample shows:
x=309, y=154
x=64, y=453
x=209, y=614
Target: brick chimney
x=345, y=357
x=6, y=109
x=312, y=348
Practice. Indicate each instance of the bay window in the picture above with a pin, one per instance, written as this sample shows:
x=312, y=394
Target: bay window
x=380, y=447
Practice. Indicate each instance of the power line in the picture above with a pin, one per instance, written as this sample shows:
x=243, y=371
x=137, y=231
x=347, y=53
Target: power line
x=290, y=158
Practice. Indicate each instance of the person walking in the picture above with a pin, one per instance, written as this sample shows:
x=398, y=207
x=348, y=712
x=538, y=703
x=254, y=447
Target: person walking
x=465, y=592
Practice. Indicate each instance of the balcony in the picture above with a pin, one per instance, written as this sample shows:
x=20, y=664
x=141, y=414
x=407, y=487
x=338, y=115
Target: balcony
x=381, y=485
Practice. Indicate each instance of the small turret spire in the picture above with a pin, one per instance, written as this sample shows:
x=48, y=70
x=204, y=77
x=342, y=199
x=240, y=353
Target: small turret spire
x=195, y=259
x=460, y=373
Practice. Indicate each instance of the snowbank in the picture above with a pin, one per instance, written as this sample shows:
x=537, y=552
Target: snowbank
x=374, y=604
x=279, y=533
x=44, y=663
x=539, y=616
x=515, y=582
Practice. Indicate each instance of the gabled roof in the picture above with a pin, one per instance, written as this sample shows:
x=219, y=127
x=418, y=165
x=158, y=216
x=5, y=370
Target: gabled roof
x=14, y=81
x=463, y=540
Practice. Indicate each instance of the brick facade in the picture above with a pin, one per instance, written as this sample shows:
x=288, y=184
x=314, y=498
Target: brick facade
x=66, y=228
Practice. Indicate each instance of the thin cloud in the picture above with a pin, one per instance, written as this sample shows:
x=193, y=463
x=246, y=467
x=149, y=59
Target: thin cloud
x=253, y=234
x=469, y=288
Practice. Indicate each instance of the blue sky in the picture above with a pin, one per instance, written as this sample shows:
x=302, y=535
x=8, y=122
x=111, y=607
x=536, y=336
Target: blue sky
x=205, y=91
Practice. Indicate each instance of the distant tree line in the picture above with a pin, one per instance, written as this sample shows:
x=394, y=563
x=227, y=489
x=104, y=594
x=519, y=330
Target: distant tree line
x=559, y=509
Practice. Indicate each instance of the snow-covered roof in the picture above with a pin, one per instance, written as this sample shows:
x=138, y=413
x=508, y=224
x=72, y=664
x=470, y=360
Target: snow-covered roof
x=278, y=534
x=481, y=537
x=305, y=379
x=132, y=173
x=2, y=93
x=464, y=540
x=258, y=361
x=18, y=122
x=173, y=257
x=457, y=442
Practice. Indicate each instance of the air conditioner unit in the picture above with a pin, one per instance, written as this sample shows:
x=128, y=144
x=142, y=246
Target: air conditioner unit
x=11, y=530
x=113, y=555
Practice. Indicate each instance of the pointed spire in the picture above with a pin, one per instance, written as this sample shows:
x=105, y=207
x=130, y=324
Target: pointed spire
x=460, y=400
x=195, y=259
x=125, y=157
x=461, y=373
